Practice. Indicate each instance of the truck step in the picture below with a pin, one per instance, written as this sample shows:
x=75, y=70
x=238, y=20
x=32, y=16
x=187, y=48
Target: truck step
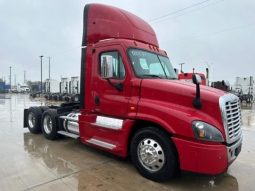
x=67, y=134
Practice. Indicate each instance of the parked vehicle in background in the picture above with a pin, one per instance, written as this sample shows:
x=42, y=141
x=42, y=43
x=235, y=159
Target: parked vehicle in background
x=132, y=103
x=23, y=88
x=221, y=85
x=244, y=88
x=188, y=77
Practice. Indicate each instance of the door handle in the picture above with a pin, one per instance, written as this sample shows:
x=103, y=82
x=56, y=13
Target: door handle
x=97, y=100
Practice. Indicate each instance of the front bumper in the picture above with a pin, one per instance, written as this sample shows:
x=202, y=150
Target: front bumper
x=234, y=150
x=205, y=158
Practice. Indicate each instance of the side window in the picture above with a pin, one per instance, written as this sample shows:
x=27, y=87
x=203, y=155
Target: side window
x=111, y=65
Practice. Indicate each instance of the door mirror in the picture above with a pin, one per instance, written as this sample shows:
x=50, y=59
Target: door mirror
x=107, y=67
x=196, y=79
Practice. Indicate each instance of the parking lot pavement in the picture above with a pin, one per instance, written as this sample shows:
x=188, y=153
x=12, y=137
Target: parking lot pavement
x=30, y=162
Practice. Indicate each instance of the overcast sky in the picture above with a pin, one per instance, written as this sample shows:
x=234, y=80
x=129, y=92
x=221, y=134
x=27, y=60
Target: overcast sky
x=218, y=34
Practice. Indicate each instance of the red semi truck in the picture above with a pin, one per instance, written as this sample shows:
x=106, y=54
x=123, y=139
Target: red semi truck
x=132, y=103
x=188, y=77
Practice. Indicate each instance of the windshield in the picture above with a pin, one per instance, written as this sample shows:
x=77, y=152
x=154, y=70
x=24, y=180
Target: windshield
x=148, y=64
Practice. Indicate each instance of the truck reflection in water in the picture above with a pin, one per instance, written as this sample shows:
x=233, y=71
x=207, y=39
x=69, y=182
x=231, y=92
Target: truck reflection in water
x=53, y=159
x=57, y=159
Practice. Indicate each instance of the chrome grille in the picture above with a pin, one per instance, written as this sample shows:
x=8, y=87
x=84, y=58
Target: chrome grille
x=231, y=115
x=233, y=111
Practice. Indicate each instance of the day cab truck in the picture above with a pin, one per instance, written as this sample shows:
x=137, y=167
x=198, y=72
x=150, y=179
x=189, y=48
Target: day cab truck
x=133, y=105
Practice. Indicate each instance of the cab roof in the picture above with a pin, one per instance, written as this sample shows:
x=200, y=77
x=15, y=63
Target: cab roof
x=105, y=22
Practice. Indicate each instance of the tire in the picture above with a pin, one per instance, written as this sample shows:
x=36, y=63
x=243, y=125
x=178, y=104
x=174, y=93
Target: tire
x=55, y=98
x=75, y=97
x=152, y=141
x=50, y=124
x=44, y=108
x=67, y=98
x=34, y=116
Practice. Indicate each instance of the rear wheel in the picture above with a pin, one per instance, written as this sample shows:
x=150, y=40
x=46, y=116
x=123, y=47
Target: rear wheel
x=34, y=119
x=153, y=154
x=44, y=108
x=50, y=124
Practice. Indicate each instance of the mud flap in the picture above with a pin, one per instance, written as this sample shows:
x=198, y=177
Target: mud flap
x=25, y=125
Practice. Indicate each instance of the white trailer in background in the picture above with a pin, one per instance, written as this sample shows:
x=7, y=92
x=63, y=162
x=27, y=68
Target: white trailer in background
x=51, y=86
x=244, y=87
x=74, y=85
x=64, y=85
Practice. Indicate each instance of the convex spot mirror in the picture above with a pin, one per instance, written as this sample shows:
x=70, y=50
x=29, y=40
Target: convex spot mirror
x=196, y=79
x=176, y=71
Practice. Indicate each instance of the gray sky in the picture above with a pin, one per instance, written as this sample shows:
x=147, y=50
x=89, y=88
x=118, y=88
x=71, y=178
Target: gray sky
x=214, y=33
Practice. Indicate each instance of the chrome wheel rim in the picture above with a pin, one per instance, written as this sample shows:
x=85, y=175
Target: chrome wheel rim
x=151, y=155
x=31, y=120
x=47, y=124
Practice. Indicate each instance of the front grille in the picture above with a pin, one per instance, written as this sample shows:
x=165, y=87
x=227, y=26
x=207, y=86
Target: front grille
x=231, y=115
x=233, y=112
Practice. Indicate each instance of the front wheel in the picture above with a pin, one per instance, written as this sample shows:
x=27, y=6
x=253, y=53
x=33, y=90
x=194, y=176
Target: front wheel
x=153, y=154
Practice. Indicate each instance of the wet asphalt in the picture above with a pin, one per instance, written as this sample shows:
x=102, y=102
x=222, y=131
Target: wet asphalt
x=30, y=162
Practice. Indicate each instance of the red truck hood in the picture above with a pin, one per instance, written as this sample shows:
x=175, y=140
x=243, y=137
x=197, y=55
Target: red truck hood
x=183, y=93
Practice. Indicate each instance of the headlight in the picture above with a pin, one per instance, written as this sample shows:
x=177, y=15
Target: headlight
x=207, y=132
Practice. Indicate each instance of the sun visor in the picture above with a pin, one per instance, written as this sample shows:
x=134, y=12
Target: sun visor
x=106, y=22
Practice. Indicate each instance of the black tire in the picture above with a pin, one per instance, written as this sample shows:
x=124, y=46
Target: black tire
x=67, y=98
x=75, y=97
x=50, y=124
x=34, y=116
x=55, y=97
x=166, y=159
x=44, y=108
x=60, y=98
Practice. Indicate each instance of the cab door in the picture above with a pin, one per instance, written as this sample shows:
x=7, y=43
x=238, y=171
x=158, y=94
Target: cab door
x=111, y=82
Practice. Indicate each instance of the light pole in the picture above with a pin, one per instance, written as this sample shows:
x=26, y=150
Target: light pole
x=49, y=68
x=41, y=74
x=24, y=76
x=49, y=75
x=10, y=78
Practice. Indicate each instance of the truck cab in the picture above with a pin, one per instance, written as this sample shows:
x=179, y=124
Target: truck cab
x=132, y=103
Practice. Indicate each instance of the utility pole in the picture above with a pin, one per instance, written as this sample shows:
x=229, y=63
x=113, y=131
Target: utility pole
x=24, y=76
x=49, y=76
x=15, y=80
x=41, y=74
x=49, y=68
x=10, y=77
x=181, y=66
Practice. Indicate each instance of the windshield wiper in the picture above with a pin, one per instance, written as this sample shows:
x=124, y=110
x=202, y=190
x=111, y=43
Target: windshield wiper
x=151, y=75
x=172, y=78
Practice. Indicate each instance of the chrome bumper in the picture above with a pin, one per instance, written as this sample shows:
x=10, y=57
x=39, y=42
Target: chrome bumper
x=234, y=150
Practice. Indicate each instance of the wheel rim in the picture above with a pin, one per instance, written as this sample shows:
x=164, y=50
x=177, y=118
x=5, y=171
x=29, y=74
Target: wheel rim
x=47, y=124
x=31, y=120
x=151, y=155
